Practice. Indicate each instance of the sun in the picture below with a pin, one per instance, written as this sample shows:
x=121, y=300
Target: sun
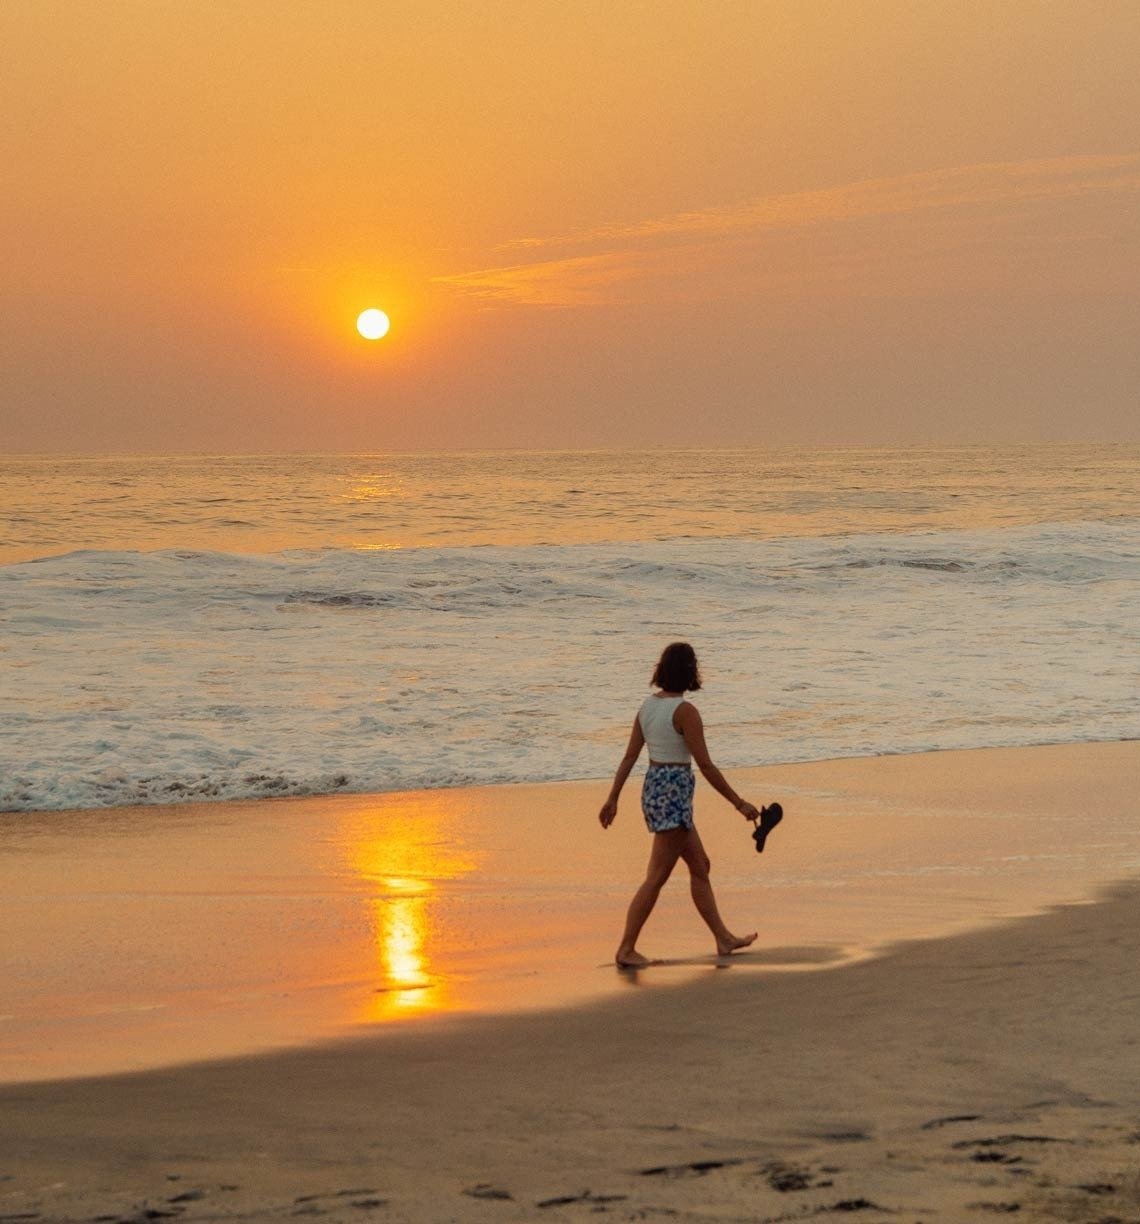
x=373, y=324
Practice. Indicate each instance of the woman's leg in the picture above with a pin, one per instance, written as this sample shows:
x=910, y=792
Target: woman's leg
x=667, y=848
x=697, y=861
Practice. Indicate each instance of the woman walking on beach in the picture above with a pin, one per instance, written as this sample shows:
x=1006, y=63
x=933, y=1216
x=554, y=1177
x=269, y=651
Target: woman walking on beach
x=672, y=728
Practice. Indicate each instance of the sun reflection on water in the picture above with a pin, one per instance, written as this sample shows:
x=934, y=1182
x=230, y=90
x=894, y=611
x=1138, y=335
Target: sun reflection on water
x=372, y=488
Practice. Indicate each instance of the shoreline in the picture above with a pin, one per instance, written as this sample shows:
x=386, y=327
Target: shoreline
x=601, y=780
x=164, y=936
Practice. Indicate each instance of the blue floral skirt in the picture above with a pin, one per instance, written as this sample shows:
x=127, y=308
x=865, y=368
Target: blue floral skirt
x=667, y=797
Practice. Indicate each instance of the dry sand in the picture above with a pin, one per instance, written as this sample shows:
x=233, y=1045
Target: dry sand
x=995, y=1072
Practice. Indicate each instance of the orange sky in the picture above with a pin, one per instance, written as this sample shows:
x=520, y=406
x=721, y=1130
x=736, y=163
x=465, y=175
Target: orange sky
x=593, y=223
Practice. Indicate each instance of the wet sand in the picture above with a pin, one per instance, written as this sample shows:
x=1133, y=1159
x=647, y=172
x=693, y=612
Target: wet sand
x=142, y=937
x=986, y=1072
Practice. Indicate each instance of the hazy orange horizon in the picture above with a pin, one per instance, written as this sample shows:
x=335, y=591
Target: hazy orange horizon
x=591, y=225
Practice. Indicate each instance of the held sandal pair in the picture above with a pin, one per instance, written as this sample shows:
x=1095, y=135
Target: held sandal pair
x=770, y=817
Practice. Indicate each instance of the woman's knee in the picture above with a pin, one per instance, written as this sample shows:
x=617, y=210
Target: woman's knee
x=699, y=866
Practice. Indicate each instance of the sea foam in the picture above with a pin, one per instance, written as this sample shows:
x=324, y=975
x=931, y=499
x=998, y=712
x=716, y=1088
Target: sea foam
x=152, y=677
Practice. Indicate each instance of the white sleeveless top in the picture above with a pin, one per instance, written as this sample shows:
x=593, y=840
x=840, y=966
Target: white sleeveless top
x=664, y=743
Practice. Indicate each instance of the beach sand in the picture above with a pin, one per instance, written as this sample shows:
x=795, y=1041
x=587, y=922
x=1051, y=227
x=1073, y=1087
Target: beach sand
x=990, y=1071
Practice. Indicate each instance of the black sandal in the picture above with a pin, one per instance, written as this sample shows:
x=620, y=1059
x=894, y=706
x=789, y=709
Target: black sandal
x=770, y=817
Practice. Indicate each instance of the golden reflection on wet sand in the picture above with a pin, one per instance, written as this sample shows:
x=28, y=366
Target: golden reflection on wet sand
x=404, y=850
x=402, y=924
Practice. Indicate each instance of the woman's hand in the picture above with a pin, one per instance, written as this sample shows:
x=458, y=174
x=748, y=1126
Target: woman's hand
x=608, y=812
x=748, y=810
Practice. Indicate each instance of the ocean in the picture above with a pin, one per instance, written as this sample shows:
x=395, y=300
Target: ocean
x=220, y=627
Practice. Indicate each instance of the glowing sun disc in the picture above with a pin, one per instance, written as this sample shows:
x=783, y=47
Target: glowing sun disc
x=373, y=324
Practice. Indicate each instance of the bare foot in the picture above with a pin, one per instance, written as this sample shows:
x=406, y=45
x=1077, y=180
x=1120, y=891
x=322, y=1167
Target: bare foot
x=734, y=943
x=631, y=960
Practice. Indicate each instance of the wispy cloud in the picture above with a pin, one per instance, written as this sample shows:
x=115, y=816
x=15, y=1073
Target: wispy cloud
x=582, y=280
x=987, y=183
x=652, y=247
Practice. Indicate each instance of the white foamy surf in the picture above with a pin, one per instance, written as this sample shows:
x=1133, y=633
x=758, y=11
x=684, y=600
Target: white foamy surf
x=150, y=677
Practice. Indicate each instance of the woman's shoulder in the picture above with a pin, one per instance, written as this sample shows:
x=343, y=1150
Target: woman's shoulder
x=654, y=702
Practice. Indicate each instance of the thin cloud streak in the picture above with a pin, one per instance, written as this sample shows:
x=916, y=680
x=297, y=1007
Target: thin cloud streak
x=583, y=280
x=984, y=183
x=693, y=236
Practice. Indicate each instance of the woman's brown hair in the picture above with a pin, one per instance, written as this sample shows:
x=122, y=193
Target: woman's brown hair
x=677, y=670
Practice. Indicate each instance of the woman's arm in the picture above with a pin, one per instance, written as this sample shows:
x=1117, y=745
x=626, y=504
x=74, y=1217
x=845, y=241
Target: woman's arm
x=632, y=752
x=687, y=720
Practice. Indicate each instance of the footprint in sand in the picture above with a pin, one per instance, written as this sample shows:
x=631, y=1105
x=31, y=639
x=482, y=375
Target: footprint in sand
x=361, y=1198
x=564, y=1200
x=694, y=1168
x=484, y=1190
x=949, y=1120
